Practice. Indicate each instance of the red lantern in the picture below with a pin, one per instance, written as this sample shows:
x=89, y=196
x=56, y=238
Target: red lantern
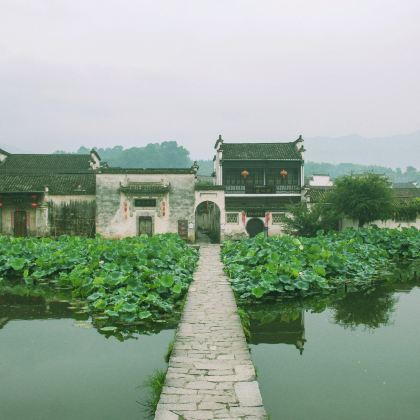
x=283, y=173
x=245, y=173
x=34, y=205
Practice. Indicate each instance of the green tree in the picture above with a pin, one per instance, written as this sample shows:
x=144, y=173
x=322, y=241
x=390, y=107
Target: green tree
x=303, y=220
x=365, y=198
x=406, y=210
x=167, y=154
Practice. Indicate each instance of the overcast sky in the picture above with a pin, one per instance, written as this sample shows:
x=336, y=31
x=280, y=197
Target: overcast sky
x=128, y=72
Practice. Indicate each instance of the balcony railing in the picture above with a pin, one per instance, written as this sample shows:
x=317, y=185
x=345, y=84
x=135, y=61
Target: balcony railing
x=262, y=189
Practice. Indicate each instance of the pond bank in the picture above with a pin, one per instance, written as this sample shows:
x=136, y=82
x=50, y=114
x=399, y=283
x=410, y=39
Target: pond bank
x=210, y=371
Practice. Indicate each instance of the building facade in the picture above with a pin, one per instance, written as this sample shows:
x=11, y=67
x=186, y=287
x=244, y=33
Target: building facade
x=260, y=182
x=253, y=184
x=132, y=202
x=43, y=195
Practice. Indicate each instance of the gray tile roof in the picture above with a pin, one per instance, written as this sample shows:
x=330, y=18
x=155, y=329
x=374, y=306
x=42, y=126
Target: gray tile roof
x=260, y=151
x=45, y=164
x=145, y=187
x=318, y=194
x=58, y=184
x=176, y=171
x=406, y=193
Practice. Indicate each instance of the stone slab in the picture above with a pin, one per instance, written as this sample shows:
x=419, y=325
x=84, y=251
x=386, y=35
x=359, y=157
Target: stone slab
x=210, y=373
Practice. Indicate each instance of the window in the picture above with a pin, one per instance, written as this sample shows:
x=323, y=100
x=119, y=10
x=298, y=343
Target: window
x=233, y=177
x=232, y=217
x=142, y=202
x=277, y=218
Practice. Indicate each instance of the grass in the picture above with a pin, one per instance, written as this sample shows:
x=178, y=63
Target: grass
x=246, y=323
x=155, y=384
x=169, y=350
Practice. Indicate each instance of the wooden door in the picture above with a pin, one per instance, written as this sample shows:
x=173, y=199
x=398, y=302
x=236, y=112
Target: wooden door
x=20, y=228
x=145, y=225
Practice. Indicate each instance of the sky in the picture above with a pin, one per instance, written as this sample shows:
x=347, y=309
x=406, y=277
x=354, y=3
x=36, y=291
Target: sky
x=129, y=72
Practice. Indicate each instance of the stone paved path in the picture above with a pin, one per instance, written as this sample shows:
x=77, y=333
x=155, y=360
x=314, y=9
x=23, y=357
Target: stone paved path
x=210, y=373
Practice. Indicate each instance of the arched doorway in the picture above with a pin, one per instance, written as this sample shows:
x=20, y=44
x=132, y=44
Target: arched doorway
x=254, y=227
x=207, y=222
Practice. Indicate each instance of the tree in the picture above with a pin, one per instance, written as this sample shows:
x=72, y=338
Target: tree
x=365, y=198
x=303, y=220
x=167, y=154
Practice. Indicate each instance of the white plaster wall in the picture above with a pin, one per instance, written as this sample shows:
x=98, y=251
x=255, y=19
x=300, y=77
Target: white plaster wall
x=7, y=220
x=117, y=217
x=217, y=166
x=392, y=224
x=320, y=181
x=238, y=230
x=348, y=223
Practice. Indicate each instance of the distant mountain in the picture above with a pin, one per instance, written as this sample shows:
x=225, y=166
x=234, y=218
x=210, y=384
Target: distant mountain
x=394, y=151
x=10, y=149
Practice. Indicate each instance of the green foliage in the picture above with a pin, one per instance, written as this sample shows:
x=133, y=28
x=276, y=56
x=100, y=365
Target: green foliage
x=167, y=154
x=407, y=211
x=342, y=169
x=155, y=384
x=125, y=281
x=307, y=221
x=206, y=167
x=246, y=323
x=169, y=350
x=267, y=267
x=365, y=198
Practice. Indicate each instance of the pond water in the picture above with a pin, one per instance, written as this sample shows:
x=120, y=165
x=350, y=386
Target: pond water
x=55, y=365
x=351, y=356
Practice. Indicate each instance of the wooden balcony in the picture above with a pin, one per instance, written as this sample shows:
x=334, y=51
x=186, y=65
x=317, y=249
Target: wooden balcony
x=262, y=189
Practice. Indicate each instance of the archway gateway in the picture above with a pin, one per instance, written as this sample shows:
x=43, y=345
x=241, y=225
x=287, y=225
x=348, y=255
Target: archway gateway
x=254, y=227
x=207, y=222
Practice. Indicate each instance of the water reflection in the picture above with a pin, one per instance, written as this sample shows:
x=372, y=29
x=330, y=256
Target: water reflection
x=283, y=322
x=361, y=352
x=370, y=309
x=18, y=302
x=278, y=327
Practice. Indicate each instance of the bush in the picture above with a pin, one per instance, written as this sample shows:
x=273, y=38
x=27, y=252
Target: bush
x=307, y=221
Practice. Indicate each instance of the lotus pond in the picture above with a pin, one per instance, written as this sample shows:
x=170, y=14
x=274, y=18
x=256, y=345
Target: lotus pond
x=85, y=322
x=266, y=268
x=348, y=356
x=120, y=282
x=333, y=322
x=55, y=364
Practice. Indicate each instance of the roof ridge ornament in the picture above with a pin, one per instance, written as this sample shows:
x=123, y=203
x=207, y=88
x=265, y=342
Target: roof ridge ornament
x=218, y=141
x=300, y=139
x=195, y=166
